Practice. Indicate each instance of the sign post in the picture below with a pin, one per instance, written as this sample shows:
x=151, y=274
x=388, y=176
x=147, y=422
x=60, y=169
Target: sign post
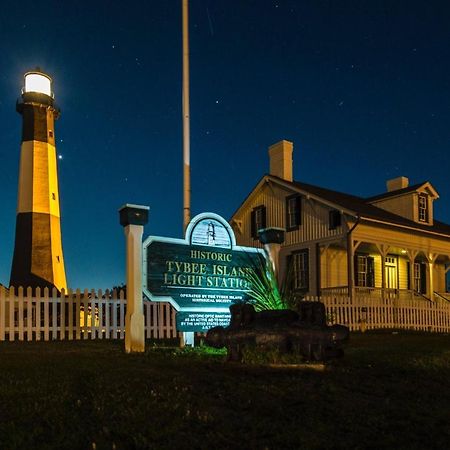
x=133, y=218
x=201, y=275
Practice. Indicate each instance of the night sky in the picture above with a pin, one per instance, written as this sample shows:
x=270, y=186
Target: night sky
x=360, y=87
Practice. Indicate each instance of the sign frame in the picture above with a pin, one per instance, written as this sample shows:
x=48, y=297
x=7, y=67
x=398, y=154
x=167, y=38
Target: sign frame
x=187, y=242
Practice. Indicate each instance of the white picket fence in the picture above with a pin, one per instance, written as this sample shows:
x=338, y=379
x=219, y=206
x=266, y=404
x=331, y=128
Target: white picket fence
x=374, y=313
x=97, y=315
x=76, y=315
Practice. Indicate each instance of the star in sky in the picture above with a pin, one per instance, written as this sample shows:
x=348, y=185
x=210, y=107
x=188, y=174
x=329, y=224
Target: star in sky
x=283, y=75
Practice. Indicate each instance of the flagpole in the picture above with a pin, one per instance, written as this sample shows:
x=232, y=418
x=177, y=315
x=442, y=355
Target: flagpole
x=186, y=121
x=187, y=338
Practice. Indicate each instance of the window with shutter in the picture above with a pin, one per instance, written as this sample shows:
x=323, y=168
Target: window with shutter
x=334, y=219
x=299, y=268
x=258, y=220
x=293, y=212
x=420, y=277
x=364, y=271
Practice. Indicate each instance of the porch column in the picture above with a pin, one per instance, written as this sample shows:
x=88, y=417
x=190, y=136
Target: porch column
x=322, y=250
x=318, y=270
x=352, y=245
x=447, y=269
x=431, y=259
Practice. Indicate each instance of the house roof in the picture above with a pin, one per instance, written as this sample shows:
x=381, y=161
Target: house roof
x=364, y=209
x=356, y=206
x=399, y=192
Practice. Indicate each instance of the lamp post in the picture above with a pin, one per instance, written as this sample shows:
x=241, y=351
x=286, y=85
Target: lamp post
x=133, y=218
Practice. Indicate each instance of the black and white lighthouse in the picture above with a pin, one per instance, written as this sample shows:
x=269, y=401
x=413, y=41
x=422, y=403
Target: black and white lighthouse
x=38, y=257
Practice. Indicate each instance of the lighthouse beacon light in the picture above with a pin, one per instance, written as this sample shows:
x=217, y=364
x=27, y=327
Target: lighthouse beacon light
x=38, y=82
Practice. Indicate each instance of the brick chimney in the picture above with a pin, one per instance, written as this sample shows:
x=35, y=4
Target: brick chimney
x=397, y=183
x=280, y=155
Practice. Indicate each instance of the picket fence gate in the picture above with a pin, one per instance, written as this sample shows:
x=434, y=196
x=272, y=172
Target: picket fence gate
x=76, y=315
x=377, y=313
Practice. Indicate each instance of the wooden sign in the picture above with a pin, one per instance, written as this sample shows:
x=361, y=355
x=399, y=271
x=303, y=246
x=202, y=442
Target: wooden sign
x=201, y=275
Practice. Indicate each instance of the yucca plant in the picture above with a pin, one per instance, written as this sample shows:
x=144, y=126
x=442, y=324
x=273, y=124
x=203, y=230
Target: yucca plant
x=264, y=292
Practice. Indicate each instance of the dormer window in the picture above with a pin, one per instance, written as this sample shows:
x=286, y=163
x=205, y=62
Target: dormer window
x=423, y=208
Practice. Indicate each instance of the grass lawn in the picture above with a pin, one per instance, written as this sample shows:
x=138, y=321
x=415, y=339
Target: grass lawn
x=389, y=391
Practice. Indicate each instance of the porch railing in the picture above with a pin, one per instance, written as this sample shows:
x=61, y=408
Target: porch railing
x=375, y=313
x=337, y=290
x=373, y=292
x=442, y=296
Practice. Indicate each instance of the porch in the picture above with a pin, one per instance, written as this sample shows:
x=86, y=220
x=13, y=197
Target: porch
x=359, y=268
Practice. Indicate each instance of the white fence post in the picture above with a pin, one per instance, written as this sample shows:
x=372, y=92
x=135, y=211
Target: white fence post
x=62, y=315
x=70, y=315
x=122, y=315
x=12, y=299
x=54, y=309
x=37, y=322
x=114, y=310
x=20, y=324
x=77, y=314
x=133, y=218
x=46, y=315
x=2, y=313
x=29, y=308
x=108, y=305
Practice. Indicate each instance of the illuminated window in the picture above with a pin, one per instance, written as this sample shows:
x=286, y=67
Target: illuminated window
x=258, y=220
x=364, y=271
x=293, y=212
x=423, y=208
x=300, y=270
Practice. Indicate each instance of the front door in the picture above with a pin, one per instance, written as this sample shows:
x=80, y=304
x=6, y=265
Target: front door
x=391, y=272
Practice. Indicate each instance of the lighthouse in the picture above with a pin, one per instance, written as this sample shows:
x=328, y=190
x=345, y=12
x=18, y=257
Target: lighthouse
x=38, y=259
